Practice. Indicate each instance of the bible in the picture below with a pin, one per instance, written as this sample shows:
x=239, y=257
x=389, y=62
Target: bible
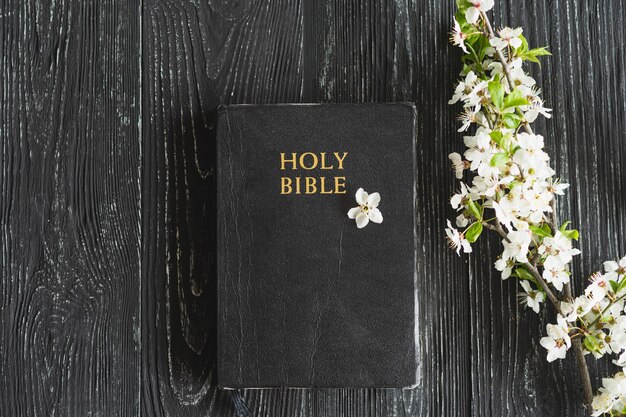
x=306, y=298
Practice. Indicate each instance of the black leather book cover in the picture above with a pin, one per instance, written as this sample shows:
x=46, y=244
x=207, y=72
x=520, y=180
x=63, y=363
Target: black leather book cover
x=307, y=298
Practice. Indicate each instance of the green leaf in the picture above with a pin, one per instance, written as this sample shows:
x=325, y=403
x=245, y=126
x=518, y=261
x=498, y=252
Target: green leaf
x=591, y=343
x=460, y=17
x=614, y=286
x=531, y=58
x=523, y=47
x=534, y=53
x=499, y=159
x=572, y=234
x=541, y=231
x=564, y=226
x=515, y=99
x=503, y=141
x=540, y=52
x=473, y=232
x=474, y=210
x=496, y=136
x=524, y=274
x=463, y=5
x=479, y=44
x=497, y=92
x=511, y=121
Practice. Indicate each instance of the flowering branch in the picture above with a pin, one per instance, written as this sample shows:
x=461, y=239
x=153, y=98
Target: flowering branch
x=576, y=345
x=513, y=193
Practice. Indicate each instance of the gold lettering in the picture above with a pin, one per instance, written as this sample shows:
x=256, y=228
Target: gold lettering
x=298, y=185
x=340, y=160
x=311, y=188
x=323, y=186
x=311, y=184
x=283, y=161
x=340, y=182
x=285, y=183
x=313, y=165
x=323, y=158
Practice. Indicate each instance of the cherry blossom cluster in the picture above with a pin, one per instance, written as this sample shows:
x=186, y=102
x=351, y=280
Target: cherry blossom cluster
x=508, y=186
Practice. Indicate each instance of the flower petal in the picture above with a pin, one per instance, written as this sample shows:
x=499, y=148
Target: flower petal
x=353, y=212
x=373, y=200
x=516, y=42
x=610, y=266
x=486, y=5
x=362, y=220
x=361, y=196
x=472, y=15
x=375, y=215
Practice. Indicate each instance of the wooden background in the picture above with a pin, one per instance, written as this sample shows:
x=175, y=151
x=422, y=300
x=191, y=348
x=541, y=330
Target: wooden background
x=107, y=123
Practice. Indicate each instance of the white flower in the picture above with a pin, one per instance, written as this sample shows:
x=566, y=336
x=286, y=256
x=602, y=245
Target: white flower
x=554, y=272
x=488, y=186
x=458, y=37
x=504, y=216
x=595, y=292
x=469, y=116
x=579, y=308
x=517, y=246
x=367, y=209
x=533, y=298
x=462, y=221
x=558, y=341
x=464, y=87
x=480, y=153
x=473, y=13
x=458, y=200
x=536, y=107
x=602, y=404
x=530, y=142
x=621, y=359
x=518, y=77
x=478, y=95
x=616, y=385
x=559, y=245
x=457, y=241
x=615, y=269
x=505, y=266
x=507, y=36
x=557, y=187
x=612, y=395
x=617, y=334
x=458, y=164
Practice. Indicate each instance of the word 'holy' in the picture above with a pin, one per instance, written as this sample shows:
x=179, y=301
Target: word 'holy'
x=310, y=161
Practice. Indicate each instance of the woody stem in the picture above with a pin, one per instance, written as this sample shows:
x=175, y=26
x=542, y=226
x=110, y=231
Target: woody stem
x=576, y=343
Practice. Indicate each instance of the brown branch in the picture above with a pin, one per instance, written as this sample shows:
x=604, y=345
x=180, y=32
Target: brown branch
x=535, y=272
x=576, y=343
x=505, y=64
x=531, y=268
x=584, y=373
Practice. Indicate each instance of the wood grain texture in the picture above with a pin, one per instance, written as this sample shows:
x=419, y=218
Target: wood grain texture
x=70, y=202
x=107, y=124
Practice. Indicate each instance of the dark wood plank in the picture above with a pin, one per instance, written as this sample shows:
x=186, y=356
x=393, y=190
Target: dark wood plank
x=199, y=55
x=69, y=187
x=79, y=307
x=585, y=83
